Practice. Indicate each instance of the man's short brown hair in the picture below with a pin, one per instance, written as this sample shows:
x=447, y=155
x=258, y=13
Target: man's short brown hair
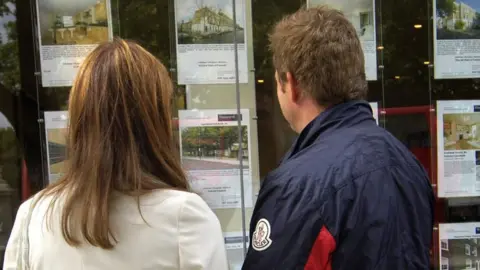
x=321, y=49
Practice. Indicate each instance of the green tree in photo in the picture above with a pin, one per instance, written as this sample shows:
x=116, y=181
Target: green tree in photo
x=459, y=25
x=212, y=141
x=445, y=8
x=476, y=21
x=9, y=156
x=9, y=64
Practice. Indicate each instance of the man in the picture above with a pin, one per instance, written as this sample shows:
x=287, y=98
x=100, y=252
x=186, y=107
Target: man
x=348, y=195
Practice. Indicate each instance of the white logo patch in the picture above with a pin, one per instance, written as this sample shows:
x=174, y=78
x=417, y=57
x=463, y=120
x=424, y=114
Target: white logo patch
x=261, y=236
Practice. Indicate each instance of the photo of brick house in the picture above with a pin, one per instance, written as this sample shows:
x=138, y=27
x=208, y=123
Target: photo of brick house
x=456, y=254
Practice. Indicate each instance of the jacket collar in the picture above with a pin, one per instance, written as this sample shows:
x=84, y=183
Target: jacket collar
x=339, y=116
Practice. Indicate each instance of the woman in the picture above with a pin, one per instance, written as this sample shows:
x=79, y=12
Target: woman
x=124, y=201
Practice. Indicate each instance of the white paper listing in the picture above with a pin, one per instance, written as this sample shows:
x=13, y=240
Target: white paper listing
x=458, y=147
x=205, y=41
x=234, y=247
x=68, y=30
x=456, y=41
x=55, y=134
x=459, y=246
x=209, y=146
x=374, y=106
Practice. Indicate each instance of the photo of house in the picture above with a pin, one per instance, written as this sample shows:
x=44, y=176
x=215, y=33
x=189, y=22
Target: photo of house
x=359, y=12
x=71, y=22
x=213, y=148
x=456, y=254
x=56, y=150
x=461, y=131
x=458, y=19
x=209, y=22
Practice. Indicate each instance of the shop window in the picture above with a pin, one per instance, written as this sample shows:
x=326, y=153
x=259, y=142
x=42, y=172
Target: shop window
x=11, y=153
x=405, y=82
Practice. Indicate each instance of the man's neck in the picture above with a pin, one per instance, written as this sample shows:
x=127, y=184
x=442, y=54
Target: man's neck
x=310, y=110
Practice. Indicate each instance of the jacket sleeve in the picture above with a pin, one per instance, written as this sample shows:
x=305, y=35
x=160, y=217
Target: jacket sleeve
x=380, y=220
x=14, y=245
x=201, y=242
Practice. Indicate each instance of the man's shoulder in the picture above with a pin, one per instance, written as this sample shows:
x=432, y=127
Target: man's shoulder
x=330, y=163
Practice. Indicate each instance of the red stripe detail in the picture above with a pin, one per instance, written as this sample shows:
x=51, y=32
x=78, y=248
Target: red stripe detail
x=25, y=185
x=320, y=255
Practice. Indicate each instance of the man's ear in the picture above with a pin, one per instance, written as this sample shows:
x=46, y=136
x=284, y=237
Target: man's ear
x=292, y=87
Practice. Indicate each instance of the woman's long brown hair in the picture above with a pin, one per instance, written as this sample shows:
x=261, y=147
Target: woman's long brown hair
x=120, y=138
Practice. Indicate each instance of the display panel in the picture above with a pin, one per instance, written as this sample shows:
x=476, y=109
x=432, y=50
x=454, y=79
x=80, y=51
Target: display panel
x=55, y=134
x=456, y=39
x=459, y=246
x=209, y=143
x=234, y=246
x=361, y=13
x=67, y=31
x=374, y=106
x=458, y=148
x=205, y=38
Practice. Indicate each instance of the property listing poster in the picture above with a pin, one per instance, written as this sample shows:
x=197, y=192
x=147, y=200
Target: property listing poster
x=68, y=30
x=456, y=39
x=374, y=106
x=205, y=41
x=458, y=147
x=209, y=146
x=55, y=129
x=361, y=13
x=234, y=247
x=459, y=246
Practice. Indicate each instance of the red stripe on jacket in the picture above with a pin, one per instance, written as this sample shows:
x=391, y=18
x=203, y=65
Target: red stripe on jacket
x=320, y=255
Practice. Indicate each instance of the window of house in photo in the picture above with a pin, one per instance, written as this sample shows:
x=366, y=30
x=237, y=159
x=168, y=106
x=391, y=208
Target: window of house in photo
x=365, y=19
x=444, y=263
x=467, y=249
x=474, y=251
x=444, y=244
x=468, y=263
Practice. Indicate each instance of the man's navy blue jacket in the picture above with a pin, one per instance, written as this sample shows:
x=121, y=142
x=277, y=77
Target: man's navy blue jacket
x=348, y=195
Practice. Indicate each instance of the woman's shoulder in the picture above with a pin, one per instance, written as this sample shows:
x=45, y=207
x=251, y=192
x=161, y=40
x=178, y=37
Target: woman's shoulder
x=187, y=206
x=34, y=203
x=165, y=202
x=178, y=198
x=163, y=195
